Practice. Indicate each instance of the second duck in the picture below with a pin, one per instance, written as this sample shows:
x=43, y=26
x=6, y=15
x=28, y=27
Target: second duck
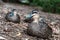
x=13, y=16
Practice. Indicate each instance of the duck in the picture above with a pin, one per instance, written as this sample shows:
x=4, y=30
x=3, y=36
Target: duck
x=28, y=17
x=39, y=28
x=12, y=16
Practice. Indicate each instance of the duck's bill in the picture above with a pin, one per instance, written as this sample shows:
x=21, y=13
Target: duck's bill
x=28, y=16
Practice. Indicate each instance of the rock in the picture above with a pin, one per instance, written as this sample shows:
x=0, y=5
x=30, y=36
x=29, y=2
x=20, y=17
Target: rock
x=55, y=27
x=24, y=38
x=2, y=38
x=19, y=34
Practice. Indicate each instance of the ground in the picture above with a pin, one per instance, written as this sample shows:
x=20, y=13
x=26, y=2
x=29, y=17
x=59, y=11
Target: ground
x=15, y=31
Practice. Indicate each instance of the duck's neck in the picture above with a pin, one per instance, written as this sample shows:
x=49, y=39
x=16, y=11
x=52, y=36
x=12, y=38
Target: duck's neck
x=35, y=21
x=15, y=13
x=36, y=18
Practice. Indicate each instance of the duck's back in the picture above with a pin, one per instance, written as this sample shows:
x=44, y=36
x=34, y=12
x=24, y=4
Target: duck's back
x=40, y=30
x=45, y=30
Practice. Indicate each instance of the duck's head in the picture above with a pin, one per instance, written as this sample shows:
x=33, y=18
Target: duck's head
x=32, y=14
x=35, y=16
x=35, y=11
x=13, y=12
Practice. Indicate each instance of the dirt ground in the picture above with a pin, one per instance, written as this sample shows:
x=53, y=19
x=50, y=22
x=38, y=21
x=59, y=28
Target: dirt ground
x=15, y=31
